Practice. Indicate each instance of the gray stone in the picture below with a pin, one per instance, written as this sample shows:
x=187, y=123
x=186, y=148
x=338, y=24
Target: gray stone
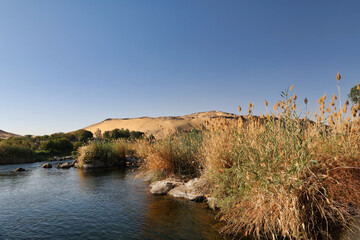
x=190, y=190
x=162, y=187
x=63, y=165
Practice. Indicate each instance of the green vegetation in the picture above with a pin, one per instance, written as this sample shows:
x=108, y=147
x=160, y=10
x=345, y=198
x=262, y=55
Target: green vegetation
x=15, y=153
x=354, y=94
x=122, y=134
x=42, y=148
x=102, y=154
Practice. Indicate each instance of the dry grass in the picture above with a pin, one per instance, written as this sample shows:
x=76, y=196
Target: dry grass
x=275, y=176
x=286, y=176
x=174, y=155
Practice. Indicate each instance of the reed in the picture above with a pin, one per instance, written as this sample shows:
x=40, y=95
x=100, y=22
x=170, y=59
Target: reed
x=103, y=154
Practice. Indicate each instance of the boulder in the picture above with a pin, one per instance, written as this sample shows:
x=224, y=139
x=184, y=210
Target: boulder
x=162, y=187
x=19, y=170
x=63, y=165
x=47, y=165
x=191, y=190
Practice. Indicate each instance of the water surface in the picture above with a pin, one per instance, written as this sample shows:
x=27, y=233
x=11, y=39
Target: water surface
x=94, y=204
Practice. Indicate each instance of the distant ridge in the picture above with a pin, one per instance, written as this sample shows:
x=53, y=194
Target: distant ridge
x=158, y=125
x=6, y=135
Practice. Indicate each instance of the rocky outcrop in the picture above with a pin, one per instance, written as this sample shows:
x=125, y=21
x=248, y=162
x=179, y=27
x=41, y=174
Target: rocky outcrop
x=163, y=187
x=19, y=170
x=47, y=165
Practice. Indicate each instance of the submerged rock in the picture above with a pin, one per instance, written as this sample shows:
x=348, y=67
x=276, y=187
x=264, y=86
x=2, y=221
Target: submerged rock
x=47, y=165
x=163, y=187
x=19, y=170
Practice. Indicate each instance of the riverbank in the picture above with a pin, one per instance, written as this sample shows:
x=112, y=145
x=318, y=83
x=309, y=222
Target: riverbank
x=273, y=176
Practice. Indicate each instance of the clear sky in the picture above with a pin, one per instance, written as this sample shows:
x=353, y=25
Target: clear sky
x=67, y=64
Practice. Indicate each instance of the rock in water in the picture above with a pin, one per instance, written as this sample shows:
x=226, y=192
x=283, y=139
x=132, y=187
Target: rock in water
x=63, y=165
x=190, y=190
x=19, y=170
x=47, y=165
x=162, y=187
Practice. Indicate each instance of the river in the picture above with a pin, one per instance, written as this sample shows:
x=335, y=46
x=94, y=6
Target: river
x=94, y=204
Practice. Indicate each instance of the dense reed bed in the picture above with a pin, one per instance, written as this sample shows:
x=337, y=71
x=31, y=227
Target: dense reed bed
x=103, y=154
x=14, y=154
x=275, y=176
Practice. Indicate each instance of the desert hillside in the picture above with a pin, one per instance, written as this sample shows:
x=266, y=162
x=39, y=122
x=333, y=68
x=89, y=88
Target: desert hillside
x=5, y=135
x=158, y=125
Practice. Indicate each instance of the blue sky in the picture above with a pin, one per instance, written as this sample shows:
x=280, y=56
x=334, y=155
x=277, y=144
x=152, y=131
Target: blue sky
x=67, y=64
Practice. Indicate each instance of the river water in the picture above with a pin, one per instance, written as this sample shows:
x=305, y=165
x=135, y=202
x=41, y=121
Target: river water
x=94, y=204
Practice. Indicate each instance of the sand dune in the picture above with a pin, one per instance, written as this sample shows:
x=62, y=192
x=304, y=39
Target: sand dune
x=6, y=135
x=158, y=126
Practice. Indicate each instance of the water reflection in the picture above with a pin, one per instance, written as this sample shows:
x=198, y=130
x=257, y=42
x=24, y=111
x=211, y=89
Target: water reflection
x=93, y=204
x=165, y=212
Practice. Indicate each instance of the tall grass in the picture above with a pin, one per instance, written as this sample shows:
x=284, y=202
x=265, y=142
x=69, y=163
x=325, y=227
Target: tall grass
x=103, y=154
x=13, y=154
x=173, y=155
x=285, y=176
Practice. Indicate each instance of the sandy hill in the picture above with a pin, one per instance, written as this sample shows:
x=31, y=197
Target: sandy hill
x=159, y=125
x=5, y=135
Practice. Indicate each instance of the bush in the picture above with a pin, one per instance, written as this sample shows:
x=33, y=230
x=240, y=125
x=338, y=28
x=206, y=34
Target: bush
x=57, y=146
x=13, y=154
x=102, y=154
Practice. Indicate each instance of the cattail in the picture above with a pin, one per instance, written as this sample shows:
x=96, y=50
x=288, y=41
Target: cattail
x=338, y=76
x=306, y=101
x=291, y=87
x=334, y=97
x=239, y=108
x=328, y=110
x=294, y=97
x=332, y=102
x=266, y=103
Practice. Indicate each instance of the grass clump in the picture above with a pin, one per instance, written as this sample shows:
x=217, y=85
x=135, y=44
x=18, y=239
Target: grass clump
x=102, y=154
x=282, y=176
x=174, y=155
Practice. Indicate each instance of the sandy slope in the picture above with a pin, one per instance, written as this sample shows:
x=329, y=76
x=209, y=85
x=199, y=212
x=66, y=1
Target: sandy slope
x=5, y=135
x=160, y=125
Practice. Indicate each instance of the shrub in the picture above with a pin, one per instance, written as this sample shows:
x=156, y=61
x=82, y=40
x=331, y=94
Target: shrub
x=57, y=146
x=102, y=154
x=12, y=154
